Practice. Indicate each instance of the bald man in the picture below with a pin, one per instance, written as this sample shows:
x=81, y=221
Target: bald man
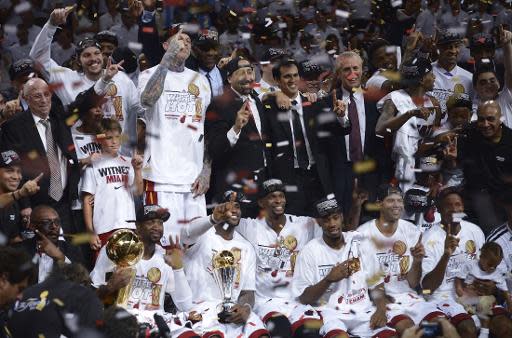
x=45, y=145
x=486, y=158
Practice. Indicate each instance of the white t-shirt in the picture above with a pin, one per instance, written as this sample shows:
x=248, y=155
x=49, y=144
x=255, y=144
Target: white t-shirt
x=109, y=180
x=505, y=102
x=153, y=279
x=471, y=271
x=393, y=253
x=199, y=270
x=175, y=129
x=276, y=254
x=471, y=240
x=376, y=80
x=316, y=260
x=459, y=81
x=503, y=236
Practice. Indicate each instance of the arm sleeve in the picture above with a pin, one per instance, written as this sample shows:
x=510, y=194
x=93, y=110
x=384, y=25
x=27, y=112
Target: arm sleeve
x=182, y=294
x=89, y=182
x=196, y=228
x=103, y=266
x=232, y=136
x=41, y=52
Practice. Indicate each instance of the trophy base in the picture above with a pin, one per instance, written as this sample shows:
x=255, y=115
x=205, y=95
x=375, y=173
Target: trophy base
x=224, y=311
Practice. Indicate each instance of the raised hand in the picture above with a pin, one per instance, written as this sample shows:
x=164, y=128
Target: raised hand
x=418, y=251
x=450, y=151
x=137, y=161
x=175, y=45
x=174, y=254
x=31, y=187
x=112, y=69
x=451, y=242
x=242, y=117
x=339, y=106
x=359, y=196
x=224, y=211
x=339, y=272
x=505, y=36
x=47, y=246
x=59, y=15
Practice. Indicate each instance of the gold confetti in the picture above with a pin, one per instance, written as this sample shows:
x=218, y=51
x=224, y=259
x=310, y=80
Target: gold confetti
x=71, y=120
x=366, y=166
x=32, y=155
x=372, y=206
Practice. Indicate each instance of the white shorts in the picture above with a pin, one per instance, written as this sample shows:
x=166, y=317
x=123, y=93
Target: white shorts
x=296, y=313
x=455, y=311
x=209, y=325
x=176, y=322
x=356, y=323
x=412, y=306
x=182, y=206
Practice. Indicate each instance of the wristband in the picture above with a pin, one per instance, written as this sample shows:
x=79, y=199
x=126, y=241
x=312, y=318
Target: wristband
x=212, y=220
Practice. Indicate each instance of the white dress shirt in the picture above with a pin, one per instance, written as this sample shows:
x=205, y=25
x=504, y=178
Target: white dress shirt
x=232, y=135
x=298, y=108
x=359, y=99
x=215, y=79
x=46, y=266
x=41, y=129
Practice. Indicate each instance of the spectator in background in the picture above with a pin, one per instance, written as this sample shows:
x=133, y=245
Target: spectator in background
x=108, y=42
x=426, y=22
x=112, y=17
x=127, y=31
x=63, y=48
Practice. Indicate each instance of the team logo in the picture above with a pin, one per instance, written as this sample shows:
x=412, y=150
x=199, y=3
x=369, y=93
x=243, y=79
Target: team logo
x=399, y=248
x=154, y=275
x=458, y=89
x=470, y=247
x=290, y=242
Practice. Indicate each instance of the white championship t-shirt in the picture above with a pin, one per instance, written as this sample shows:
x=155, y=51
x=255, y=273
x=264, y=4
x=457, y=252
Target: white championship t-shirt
x=471, y=240
x=393, y=253
x=153, y=279
x=503, y=236
x=199, y=270
x=316, y=260
x=471, y=271
x=175, y=130
x=276, y=254
x=109, y=180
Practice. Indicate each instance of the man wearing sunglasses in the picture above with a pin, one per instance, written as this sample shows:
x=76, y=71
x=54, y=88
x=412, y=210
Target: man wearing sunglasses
x=49, y=245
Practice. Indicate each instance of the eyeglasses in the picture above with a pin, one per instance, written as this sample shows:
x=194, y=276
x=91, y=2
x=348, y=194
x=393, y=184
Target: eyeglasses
x=46, y=223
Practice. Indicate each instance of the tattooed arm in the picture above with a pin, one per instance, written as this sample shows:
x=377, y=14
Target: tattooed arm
x=155, y=84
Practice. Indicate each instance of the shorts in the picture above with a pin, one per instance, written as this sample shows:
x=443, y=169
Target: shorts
x=182, y=207
x=412, y=306
x=296, y=313
x=176, y=323
x=455, y=311
x=356, y=323
x=209, y=325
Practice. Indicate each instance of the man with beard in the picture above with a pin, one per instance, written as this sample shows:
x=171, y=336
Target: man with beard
x=398, y=248
x=49, y=246
x=486, y=82
x=235, y=129
x=277, y=240
x=204, y=58
x=122, y=100
x=16, y=270
x=177, y=170
x=158, y=272
x=449, y=77
x=333, y=276
x=412, y=114
x=12, y=223
x=210, y=239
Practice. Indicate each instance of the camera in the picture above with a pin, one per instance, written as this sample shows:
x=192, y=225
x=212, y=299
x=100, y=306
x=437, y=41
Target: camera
x=431, y=329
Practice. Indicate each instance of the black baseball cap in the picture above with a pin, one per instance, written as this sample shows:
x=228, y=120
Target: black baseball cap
x=272, y=54
x=206, y=39
x=85, y=101
x=482, y=40
x=107, y=36
x=9, y=158
x=20, y=68
x=459, y=100
x=86, y=43
x=234, y=64
x=271, y=185
x=309, y=70
x=129, y=57
x=447, y=36
x=226, y=197
x=149, y=212
x=415, y=68
x=326, y=207
x=386, y=189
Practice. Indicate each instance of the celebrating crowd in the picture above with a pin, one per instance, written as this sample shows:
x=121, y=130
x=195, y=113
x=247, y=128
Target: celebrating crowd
x=246, y=169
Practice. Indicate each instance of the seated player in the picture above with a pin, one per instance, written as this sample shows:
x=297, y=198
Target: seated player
x=158, y=272
x=111, y=181
x=489, y=268
x=333, y=276
x=398, y=248
x=207, y=237
x=277, y=239
x=448, y=247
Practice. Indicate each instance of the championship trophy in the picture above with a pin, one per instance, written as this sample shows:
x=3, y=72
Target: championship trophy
x=224, y=271
x=125, y=249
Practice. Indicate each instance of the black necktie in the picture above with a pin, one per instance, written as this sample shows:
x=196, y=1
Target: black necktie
x=355, y=147
x=300, y=144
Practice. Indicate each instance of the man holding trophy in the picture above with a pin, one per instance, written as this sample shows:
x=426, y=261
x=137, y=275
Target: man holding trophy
x=140, y=272
x=221, y=268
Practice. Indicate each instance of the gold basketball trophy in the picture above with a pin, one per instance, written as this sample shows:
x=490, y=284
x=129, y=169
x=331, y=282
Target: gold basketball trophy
x=224, y=271
x=125, y=249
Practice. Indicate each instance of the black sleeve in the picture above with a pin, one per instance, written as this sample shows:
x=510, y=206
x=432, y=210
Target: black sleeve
x=217, y=127
x=150, y=40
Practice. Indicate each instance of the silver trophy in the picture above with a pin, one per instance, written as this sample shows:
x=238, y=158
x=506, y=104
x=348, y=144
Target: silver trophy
x=224, y=271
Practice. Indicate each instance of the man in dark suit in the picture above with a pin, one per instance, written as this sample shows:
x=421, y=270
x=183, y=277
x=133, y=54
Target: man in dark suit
x=299, y=137
x=235, y=131
x=44, y=142
x=361, y=143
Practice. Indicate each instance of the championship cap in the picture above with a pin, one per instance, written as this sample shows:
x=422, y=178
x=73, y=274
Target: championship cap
x=326, y=207
x=149, y=212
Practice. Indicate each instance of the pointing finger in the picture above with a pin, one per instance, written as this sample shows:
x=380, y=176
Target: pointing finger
x=120, y=63
x=232, y=198
x=334, y=99
x=38, y=178
x=419, y=239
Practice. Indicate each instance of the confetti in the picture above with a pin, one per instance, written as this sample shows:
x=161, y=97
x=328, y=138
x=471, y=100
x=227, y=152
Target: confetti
x=148, y=30
x=135, y=46
x=342, y=14
x=10, y=29
x=283, y=143
x=366, y=166
x=396, y=3
x=22, y=7
x=33, y=155
x=323, y=134
x=71, y=120
x=246, y=36
x=291, y=188
x=191, y=126
x=372, y=207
